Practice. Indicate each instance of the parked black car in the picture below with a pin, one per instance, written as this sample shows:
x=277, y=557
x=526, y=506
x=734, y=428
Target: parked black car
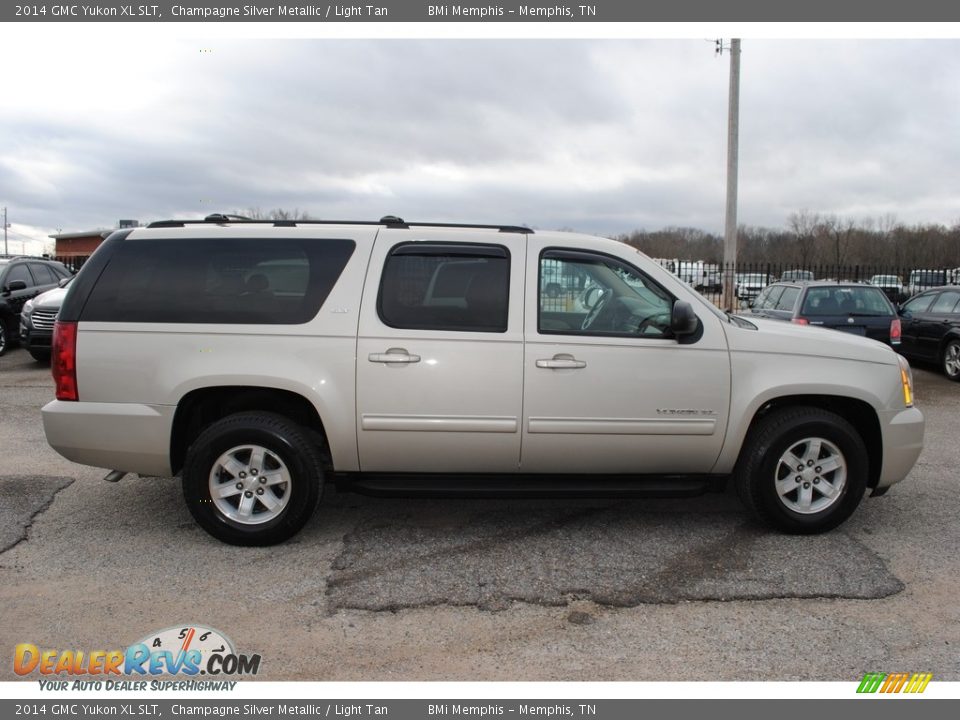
x=23, y=278
x=931, y=329
x=855, y=308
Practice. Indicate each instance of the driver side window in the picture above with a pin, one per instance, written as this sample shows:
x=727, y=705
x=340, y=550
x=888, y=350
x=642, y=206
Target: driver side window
x=582, y=293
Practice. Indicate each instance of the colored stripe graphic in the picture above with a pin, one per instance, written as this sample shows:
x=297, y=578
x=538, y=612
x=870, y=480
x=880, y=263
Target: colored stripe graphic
x=918, y=683
x=871, y=682
x=913, y=683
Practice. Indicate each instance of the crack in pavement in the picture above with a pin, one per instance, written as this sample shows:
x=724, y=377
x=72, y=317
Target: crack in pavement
x=619, y=555
x=22, y=499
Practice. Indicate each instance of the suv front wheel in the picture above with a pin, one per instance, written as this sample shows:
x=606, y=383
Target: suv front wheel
x=253, y=478
x=803, y=470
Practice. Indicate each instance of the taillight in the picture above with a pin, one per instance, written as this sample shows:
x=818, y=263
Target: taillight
x=895, y=331
x=63, y=360
x=800, y=321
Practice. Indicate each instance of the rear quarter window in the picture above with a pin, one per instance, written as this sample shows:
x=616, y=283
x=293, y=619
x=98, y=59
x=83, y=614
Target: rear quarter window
x=231, y=281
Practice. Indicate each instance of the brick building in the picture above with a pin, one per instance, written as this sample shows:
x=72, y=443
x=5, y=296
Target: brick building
x=82, y=244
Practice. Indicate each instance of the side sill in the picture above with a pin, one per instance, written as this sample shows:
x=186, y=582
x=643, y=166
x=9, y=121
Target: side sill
x=438, y=485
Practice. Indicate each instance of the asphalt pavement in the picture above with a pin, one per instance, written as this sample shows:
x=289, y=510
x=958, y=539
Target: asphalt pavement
x=377, y=589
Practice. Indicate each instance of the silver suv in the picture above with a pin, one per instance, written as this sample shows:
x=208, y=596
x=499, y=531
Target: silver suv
x=259, y=360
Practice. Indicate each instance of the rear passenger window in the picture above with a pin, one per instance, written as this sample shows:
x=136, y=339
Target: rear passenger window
x=441, y=286
x=233, y=281
x=769, y=298
x=43, y=274
x=788, y=299
x=945, y=302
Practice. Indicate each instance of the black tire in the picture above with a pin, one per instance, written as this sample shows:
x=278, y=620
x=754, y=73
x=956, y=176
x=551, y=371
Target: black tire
x=41, y=356
x=950, y=360
x=3, y=336
x=760, y=468
x=284, y=443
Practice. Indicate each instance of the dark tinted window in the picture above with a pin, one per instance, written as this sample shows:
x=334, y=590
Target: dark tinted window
x=427, y=286
x=19, y=272
x=863, y=300
x=269, y=281
x=43, y=274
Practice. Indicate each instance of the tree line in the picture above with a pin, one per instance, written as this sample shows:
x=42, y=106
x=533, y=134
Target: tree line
x=810, y=240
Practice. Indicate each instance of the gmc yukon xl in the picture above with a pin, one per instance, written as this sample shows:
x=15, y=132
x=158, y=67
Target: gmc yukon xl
x=258, y=360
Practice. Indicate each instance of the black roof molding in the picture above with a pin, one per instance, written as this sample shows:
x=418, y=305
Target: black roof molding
x=390, y=221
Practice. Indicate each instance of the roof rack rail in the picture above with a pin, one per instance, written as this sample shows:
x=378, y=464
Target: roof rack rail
x=391, y=221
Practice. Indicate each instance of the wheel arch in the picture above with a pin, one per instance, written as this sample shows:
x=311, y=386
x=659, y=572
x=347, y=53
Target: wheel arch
x=858, y=413
x=951, y=334
x=203, y=406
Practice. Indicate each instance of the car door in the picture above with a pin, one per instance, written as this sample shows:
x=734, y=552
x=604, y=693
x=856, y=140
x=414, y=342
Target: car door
x=936, y=322
x=16, y=299
x=912, y=316
x=606, y=388
x=45, y=278
x=440, y=352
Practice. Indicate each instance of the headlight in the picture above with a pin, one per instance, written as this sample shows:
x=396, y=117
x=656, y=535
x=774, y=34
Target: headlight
x=27, y=308
x=906, y=380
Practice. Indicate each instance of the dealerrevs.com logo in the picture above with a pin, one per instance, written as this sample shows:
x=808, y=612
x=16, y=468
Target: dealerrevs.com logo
x=189, y=650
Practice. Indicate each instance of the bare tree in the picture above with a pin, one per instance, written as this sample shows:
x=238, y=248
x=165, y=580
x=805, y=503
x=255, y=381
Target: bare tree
x=839, y=233
x=804, y=226
x=276, y=214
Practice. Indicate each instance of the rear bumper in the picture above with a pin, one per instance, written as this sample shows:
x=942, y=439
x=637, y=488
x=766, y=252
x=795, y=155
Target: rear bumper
x=117, y=436
x=902, y=443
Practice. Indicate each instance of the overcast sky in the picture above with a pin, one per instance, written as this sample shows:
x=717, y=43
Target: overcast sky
x=601, y=136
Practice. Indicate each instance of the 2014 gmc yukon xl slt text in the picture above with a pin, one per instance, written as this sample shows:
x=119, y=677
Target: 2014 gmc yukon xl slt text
x=259, y=359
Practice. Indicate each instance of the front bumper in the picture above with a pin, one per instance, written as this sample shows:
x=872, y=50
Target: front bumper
x=116, y=436
x=33, y=339
x=902, y=443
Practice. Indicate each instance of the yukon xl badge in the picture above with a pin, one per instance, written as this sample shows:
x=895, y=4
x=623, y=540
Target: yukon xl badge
x=684, y=411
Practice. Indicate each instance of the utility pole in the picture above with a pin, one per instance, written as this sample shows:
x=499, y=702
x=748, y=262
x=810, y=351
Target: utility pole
x=5, y=252
x=729, y=300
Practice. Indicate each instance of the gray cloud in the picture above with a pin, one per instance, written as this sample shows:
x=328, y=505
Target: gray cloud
x=600, y=136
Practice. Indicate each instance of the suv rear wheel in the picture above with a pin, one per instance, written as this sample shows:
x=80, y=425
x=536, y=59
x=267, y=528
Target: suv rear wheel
x=3, y=336
x=253, y=478
x=803, y=470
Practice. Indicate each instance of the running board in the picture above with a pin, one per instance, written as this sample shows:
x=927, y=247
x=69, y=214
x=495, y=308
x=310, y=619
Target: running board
x=479, y=485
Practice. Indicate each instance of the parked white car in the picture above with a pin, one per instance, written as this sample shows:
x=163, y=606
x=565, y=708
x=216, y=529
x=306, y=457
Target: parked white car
x=259, y=360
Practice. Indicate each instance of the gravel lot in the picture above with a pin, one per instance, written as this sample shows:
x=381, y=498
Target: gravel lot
x=401, y=589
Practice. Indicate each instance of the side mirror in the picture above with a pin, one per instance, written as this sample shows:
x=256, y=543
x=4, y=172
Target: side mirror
x=683, y=321
x=64, y=281
x=16, y=285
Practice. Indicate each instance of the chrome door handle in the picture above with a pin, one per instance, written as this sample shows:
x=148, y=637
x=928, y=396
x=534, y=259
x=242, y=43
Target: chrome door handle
x=561, y=362
x=393, y=355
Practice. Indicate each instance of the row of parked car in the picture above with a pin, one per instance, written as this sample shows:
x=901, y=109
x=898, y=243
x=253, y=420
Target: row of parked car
x=925, y=327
